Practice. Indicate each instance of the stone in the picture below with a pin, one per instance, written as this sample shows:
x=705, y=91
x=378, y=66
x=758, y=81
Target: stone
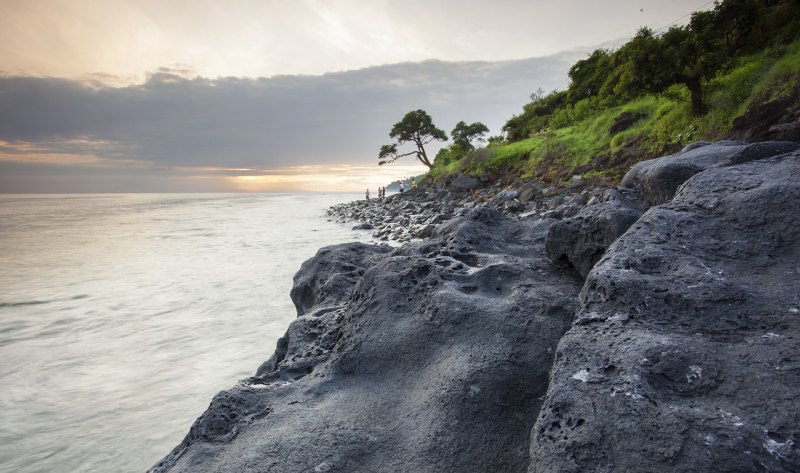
x=437, y=361
x=683, y=354
x=658, y=179
x=549, y=191
x=580, y=241
x=464, y=182
x=623, y=121
x=507, y=195
x=577, y=181
x=324, y=281
x=527, y=194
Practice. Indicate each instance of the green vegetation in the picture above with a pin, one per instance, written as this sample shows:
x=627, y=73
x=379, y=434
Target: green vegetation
x=416, y=127
x=653, y=95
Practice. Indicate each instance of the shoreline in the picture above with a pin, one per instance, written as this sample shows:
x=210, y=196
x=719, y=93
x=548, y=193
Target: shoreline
x=510, y=317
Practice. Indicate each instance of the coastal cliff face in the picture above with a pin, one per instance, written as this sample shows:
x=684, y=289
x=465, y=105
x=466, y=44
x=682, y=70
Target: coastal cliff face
x=655, y=329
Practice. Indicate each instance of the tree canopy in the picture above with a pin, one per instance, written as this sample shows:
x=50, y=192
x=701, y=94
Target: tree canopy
x=653, y=62
x=417, y=128
x=463, y=134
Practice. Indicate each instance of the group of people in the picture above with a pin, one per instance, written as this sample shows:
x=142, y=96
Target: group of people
x=382, y=190
x=381, y=193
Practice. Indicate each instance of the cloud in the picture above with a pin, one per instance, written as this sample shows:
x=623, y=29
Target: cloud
x=176, y=119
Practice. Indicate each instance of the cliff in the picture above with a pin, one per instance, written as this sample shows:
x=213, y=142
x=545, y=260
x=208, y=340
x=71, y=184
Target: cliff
x=650, y=328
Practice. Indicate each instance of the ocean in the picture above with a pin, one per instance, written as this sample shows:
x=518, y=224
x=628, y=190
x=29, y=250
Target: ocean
x=121, y=315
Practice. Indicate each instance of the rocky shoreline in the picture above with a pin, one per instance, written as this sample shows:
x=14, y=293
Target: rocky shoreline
x=649, y=328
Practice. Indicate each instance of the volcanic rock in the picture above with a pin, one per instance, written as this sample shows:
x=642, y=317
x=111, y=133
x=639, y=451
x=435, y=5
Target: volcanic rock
x=659, y=179
x=683, y=354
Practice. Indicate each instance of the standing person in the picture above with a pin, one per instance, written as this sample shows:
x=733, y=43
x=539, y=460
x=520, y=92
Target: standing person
x=367, y=194
x=401, y=187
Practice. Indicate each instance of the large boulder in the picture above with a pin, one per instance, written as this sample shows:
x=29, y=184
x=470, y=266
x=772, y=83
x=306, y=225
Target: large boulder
x=659, y=179
x=464, y=182
x=438, y=361
x=582, y=240
x=683, y=354
x=325, y=281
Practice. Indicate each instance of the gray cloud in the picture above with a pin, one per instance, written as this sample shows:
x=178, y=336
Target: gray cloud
x=284, y=120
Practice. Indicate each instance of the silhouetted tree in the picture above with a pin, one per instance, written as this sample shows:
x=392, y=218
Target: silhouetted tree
x=416, y=127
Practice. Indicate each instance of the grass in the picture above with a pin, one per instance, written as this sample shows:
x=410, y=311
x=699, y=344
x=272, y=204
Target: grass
x=580, y=140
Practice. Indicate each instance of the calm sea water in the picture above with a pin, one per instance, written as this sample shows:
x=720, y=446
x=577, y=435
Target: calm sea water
x=122, y=315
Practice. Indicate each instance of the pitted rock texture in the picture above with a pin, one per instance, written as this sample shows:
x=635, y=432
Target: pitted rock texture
x=582, y=240
x=684, y=352
x=659, y=179
x=439, y=363
x=324, y=282
x=439, y=355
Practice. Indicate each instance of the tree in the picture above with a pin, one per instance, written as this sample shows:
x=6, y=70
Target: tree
x=588, y=75
x=416, y=127
x=463, y=134
x=679, y=56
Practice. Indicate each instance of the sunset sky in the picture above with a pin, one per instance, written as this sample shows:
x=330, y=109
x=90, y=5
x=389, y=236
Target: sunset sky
x=259, y=95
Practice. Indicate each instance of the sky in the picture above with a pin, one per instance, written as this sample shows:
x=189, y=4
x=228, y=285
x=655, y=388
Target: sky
x=260, y=95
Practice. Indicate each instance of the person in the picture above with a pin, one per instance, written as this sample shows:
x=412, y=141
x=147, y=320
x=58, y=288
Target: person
x=413, y=184
x=401, y=187
x=367, y=194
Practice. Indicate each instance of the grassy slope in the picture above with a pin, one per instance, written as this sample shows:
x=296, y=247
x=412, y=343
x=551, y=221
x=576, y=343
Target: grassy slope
x=581, y=143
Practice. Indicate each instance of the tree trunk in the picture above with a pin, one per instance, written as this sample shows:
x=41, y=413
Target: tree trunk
x=698, y=107
x=423, y=157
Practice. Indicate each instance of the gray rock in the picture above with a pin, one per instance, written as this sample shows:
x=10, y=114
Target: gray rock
x=549, y=191
x=577, y=181
x=582, y=240
x=528, y=194
x=464, y=183
x=552, y=214
x=683, y=355
x=326, y=280
x=695, y=145
x=437, y=362
x=659, y=179
x=507, y=195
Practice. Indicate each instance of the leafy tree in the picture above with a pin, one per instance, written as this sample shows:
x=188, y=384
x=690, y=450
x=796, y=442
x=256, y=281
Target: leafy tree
x=463, y=134
x=679, y=56
x=535, y=116
x=416, y=127
x=587, y=76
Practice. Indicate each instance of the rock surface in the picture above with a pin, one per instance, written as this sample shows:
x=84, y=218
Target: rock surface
x=679, y=352
x=658, y=179
x=582, y=240
x=438, y=361
x=684, y=352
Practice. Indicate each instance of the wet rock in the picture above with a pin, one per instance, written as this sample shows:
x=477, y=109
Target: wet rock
x=683, y=353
